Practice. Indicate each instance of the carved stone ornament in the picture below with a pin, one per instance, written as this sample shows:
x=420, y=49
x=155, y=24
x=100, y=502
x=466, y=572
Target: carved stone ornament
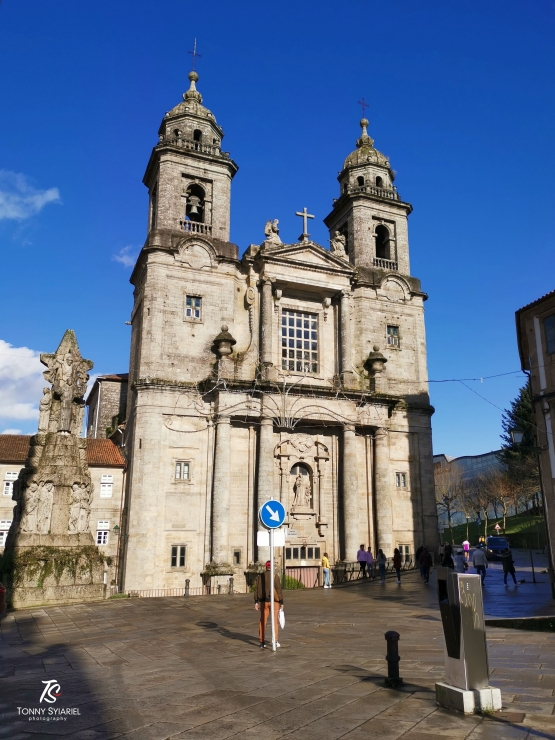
x=80, y=508
x=271, y=231
x=303, y=492
x=338, y=244
x=44, y=409
x=224, y=342
x=302, y=443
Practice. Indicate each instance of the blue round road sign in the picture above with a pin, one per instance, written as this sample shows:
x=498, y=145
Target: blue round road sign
x=272, y=514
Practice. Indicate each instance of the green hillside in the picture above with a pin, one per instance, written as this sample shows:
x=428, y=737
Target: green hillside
x=522, y=530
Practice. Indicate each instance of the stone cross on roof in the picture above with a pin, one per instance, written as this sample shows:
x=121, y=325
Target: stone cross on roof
x=305, y=216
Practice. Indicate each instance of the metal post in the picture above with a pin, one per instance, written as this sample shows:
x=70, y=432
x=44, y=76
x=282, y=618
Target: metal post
x=533, y=571
x=272, y=590
x=393, y=680
x=187, y=585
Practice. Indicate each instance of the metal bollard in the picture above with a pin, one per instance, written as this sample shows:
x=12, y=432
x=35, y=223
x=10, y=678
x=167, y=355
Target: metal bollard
x=393, y=680
x=231, y=585
x=2, y=598
x=219, y=588
x=187, y=586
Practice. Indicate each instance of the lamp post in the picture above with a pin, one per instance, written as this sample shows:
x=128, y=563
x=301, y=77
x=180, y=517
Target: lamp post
x=517, y=435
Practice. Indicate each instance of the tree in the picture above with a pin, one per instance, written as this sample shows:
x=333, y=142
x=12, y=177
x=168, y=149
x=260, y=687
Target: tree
x=448, y=485
x=521, y=460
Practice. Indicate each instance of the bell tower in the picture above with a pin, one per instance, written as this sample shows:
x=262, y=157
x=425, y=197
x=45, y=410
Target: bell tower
x=188, y=175
x=369, y=212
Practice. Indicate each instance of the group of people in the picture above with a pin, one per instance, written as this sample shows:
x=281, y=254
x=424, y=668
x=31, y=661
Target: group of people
x=459, y=560
x=367, y=563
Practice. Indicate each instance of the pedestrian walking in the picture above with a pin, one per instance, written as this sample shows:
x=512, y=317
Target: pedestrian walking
x=417, y=555
x=466, y=548
x=262, y=596
x=479, y=561
x=426, y=563
x=397, y=563
x=447, y=555
x=508, y=567
x=460, y=561
x=361, y=557
x=326, y=570
x=382, y=561
x=370, y=562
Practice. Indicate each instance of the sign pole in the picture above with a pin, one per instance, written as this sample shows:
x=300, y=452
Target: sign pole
x=272, y=590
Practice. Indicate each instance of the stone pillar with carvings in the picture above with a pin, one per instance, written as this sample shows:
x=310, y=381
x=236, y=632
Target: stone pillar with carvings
x=265, y=489
x=382, y=499
x=220, y=491
x=266, y=318
x=350, y=494
x=345, y=335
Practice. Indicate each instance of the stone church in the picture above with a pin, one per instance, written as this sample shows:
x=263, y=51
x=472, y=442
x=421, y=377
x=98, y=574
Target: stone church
x=295, y=372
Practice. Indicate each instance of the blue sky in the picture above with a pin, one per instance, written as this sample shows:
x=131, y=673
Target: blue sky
x=461, y=99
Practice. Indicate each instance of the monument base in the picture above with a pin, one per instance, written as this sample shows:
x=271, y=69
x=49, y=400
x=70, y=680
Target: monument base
x=22, y=597
x=468, y=701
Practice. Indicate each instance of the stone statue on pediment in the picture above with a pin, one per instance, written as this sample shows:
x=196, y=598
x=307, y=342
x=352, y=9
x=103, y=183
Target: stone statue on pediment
x=44, y=409
x=303, y=491
x=338, y=244
x=271, y=232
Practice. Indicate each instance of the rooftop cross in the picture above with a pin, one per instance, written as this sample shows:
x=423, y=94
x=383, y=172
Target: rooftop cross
x=194, y=53
x=305, y=216
x=363, y=105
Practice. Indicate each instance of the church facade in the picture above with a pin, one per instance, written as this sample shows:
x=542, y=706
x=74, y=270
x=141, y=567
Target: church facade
x=295, y=372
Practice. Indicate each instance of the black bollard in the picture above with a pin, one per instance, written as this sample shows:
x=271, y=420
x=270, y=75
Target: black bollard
x=393, y=680
x=187, y=585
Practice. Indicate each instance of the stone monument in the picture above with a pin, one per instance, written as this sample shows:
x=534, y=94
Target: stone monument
x=50, y=555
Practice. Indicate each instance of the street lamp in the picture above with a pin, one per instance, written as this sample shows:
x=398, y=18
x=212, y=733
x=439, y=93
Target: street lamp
x=517, y=435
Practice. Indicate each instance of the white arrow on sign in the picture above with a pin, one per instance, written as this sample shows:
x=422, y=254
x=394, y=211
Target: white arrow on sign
x=273, y=514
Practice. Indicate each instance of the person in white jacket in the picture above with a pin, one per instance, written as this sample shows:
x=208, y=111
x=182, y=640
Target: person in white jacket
x=479, y=561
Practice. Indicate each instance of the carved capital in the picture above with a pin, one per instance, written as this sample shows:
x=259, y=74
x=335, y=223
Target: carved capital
x=381, y=432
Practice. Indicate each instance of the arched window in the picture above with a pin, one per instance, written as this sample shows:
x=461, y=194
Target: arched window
x=195, y=203
x=302, y=485
x=379, y=182
x=382, y=242
x=360, y=181
x=177, y=133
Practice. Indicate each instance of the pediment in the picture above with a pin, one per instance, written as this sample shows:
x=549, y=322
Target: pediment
x=309, y=253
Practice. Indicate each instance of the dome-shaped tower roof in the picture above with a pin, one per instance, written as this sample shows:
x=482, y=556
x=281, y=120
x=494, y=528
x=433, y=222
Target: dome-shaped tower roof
x=365, y=152
x=192, y=102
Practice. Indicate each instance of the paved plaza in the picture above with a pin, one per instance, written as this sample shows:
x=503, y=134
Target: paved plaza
x=190, y=668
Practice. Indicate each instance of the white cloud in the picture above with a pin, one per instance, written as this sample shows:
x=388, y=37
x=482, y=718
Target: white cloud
x=11, y=431
x=19, y=199
x=126, y=256
x=21, y=382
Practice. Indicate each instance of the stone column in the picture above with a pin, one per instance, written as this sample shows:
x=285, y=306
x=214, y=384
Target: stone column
x=266, y=318
x=350, y=494
x=220, y=491
x=382, y=494
x=265, y=489
x=345, y=334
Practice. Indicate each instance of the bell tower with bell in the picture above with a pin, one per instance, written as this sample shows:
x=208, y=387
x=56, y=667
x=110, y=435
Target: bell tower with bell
x=188, y=175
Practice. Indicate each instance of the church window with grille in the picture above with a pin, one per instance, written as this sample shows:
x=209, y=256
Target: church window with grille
x=393, y=339
x=299, y=341
x=193, y=307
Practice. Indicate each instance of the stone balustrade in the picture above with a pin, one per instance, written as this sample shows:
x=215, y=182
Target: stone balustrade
x=192, y=145
x=193, y=227
x=385, y=264
x=389, y=193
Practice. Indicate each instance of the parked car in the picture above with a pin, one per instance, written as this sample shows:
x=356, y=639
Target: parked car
x=496, y=547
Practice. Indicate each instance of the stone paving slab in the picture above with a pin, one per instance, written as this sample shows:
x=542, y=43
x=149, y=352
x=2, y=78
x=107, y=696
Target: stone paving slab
x=155, y=669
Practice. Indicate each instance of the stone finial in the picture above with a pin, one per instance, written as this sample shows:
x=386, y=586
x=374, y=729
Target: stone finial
x=224, y=342
x=376, y=361
x=192, y=93
x=364, y=140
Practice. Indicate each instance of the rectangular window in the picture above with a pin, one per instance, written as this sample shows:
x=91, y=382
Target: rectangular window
x=299, y=341
x=549, y=328
x=295, y=553
x=393, y=336
x=107, y=478
x=105, y=490
x=178, y=556
x=288, y=553
x=237, y=557
x=9, y=478
x=181, y=470
x=102, y=529
x=193, y=307
x=4, y=527
x=404, y=550
x=401, y=480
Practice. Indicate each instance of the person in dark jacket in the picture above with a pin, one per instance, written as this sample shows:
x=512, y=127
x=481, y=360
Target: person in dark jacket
x=426, y=563
x=417, y=555
x=508, y=567
x=448, y=556
x=262, y=596
x=397, y=562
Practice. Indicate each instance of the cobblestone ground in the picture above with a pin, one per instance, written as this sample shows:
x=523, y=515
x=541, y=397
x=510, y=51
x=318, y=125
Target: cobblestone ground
x=150, y=669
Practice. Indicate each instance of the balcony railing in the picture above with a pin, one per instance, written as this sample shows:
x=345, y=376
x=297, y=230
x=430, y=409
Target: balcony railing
x=390, y=193
x=194, y=227
x=193, y=146
x=385, y=264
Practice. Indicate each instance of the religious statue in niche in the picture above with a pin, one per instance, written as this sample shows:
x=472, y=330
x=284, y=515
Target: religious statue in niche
x=271, y=232
x=338, y=244
x=302, y=487
x=44, y=409
x=37, y=507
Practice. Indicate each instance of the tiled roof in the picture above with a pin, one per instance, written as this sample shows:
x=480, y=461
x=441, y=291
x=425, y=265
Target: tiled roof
x=114, y=376
x=101, y=452
x=538, y=300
